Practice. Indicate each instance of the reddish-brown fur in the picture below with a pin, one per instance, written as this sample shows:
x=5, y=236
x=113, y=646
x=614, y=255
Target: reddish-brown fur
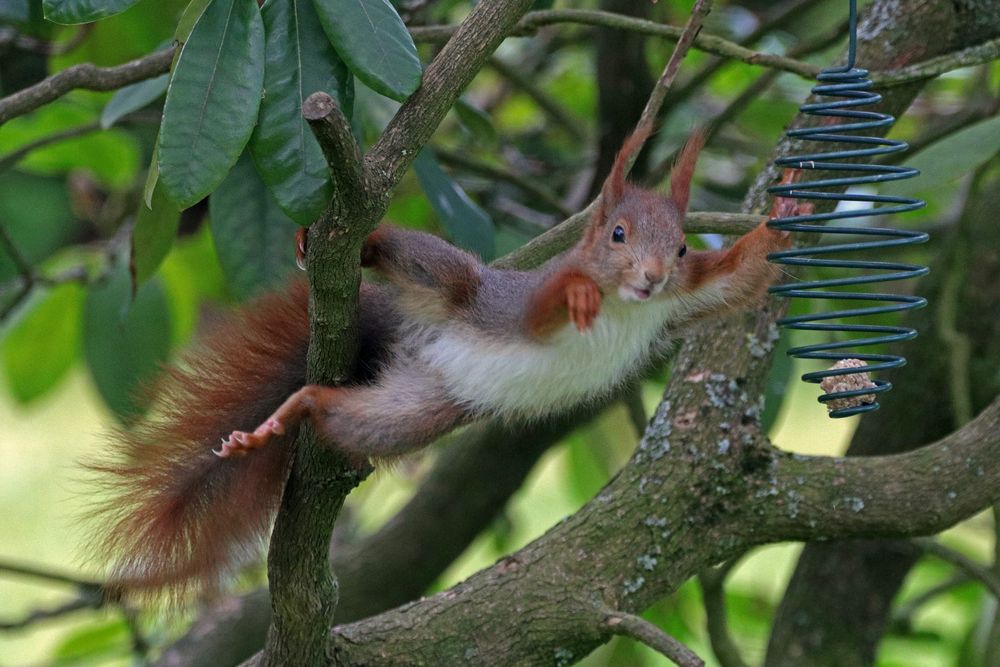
x=178, y=512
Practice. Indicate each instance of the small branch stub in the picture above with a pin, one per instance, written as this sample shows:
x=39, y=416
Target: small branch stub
x=333, y=132
x=641, y=630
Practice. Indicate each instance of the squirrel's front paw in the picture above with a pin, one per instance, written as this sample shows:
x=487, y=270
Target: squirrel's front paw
x=583, y=300
x=240, y=443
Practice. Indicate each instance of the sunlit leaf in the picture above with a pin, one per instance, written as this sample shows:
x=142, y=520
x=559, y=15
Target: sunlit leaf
x=83, y=11
x=254, y=239
x=466, y=223
x=43, y=344
x=212, y=100
x=112, y=157
x=300, y=61
x=375, y=44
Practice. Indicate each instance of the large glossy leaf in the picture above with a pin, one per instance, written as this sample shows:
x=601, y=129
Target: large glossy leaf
x=300, y=61
x=188, y=18
x=132, y=98
x=375, y=44
x=153, y=236
x=125, y=340
x=466, y=223
x=254, y=239
x=212, y=100
x=945, y=160
x=83, y=11
x=42, y=345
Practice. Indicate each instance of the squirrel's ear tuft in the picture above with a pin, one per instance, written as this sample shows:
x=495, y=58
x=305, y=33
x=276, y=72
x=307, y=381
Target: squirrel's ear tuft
x=680, y=175
x=614, y=186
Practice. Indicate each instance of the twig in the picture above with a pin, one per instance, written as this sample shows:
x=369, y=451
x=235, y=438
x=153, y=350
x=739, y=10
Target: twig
x=11, y=37
x=985, y=52
x=26, y=273
x=976, y=571
x=40, y=573
x=10, y=159
x=532, y=21
x=902, y=617
x=530, y=186
x=444, y=79
x=717, y=619
x=641, y=630
x=85, y=76
x=686, y=38
x=86, y=600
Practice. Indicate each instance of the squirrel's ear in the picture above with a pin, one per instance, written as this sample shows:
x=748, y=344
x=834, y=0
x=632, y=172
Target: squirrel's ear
x=680, y=175
x=614, y=186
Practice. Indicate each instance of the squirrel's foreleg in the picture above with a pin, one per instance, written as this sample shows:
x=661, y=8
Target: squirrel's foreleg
x=435, y=274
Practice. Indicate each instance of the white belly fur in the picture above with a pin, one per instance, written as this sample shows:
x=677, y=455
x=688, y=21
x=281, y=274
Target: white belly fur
x=522, y=378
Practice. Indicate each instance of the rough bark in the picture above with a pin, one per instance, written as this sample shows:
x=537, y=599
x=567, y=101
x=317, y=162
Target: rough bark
x=859, y=580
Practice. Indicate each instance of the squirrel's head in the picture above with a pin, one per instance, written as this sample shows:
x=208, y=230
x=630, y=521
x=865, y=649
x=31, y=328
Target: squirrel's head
x=635, y=240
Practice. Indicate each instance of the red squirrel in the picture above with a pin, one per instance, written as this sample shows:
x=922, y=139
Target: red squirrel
x=445, y=340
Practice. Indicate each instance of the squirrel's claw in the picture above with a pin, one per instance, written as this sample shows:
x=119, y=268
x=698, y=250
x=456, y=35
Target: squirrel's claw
x=583, y=301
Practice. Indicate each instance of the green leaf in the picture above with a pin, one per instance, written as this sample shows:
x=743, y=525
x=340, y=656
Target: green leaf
x=132, y=98
x=951, y=157
x=254, y=239
x=191, y=14
x=112, y=157
x=476, y=121
x=212, y=100
x=300, y=61
x=124, y=343
x=153, y=236
x=94, y=642
x=466, y=223
x=375, y=44
x=83, y=11
x=42, y=345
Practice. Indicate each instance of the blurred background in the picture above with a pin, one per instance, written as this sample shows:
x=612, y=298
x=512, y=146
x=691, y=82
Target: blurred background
x=528, y=145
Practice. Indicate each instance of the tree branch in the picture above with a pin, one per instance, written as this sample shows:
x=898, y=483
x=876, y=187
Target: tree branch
x=972, y=569
x=641, y=630
x=713, y=594
x=444, y=79
x=85, y=76
x=978, y=54
x=532, y=21
x=333, y=132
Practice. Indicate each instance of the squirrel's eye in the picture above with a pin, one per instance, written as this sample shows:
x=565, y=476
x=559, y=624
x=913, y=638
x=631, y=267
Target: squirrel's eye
x=618, y=235
x=683, y=250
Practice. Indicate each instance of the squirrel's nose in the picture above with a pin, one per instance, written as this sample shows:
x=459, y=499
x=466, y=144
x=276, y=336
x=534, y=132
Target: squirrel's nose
x=653, y=277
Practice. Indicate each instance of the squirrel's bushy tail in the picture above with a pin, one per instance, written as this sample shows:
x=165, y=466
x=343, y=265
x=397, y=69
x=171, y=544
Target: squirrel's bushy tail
x=178, y=517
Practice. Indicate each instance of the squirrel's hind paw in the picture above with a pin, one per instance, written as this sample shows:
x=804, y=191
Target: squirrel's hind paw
x=240, y=443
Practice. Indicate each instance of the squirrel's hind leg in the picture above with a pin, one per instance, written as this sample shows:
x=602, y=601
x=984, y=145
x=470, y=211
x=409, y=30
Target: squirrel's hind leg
x=398, y=415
